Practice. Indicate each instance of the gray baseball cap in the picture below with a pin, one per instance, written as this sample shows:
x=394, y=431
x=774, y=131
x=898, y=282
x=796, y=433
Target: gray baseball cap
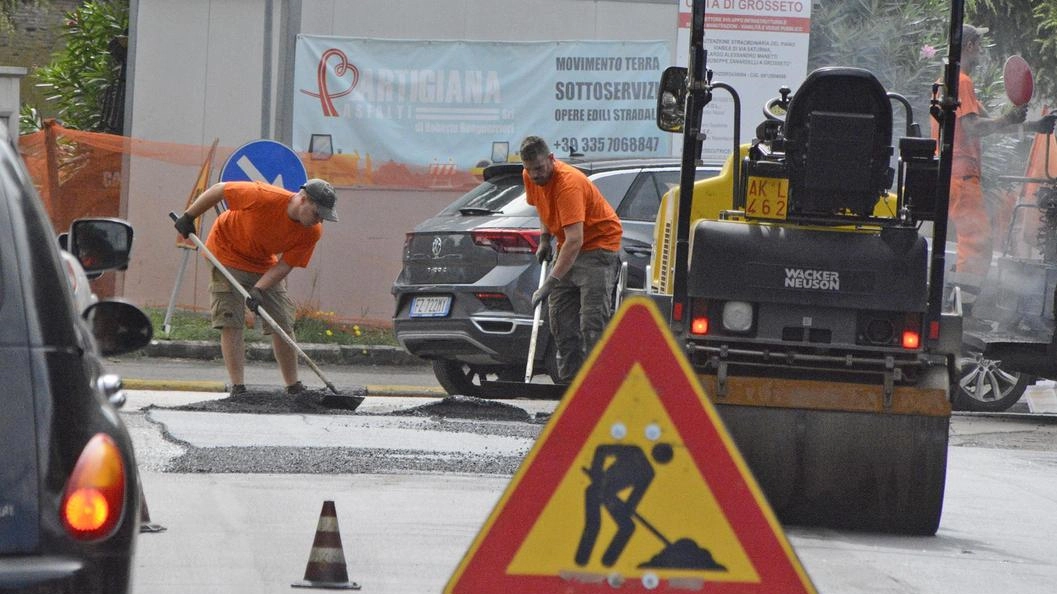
x=321, y=193
x=973, y=33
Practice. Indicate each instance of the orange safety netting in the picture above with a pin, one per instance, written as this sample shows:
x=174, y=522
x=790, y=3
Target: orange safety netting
x=79, y=174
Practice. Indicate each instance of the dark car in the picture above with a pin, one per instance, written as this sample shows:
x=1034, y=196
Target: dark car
x=462, y=297
x=69, y=491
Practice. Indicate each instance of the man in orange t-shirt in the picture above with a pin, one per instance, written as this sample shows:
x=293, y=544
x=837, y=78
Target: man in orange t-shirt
x=581, y=282
x=265, y=233
x=972, y=224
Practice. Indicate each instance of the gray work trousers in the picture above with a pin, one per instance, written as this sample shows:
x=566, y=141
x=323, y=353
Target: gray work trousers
x=580, y=306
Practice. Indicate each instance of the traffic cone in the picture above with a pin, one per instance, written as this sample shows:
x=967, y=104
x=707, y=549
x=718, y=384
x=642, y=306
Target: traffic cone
x=145, y=524
x=326, y=563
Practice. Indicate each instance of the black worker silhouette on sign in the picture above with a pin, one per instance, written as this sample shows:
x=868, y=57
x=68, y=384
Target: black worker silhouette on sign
x=616, y=469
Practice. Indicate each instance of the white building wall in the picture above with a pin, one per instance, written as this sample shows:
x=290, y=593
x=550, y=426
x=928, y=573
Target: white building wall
x=198, y=74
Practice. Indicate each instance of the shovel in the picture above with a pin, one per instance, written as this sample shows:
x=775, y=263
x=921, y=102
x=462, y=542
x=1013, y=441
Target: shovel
x=535, y=326
x=345, y=401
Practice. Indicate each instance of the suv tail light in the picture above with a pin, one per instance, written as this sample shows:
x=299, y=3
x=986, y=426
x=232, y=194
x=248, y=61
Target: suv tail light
x=94, y=499
x=522, y=241
x=495, y=301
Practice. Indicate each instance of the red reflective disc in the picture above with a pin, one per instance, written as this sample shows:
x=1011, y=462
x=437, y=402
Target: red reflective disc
x=1020, y=85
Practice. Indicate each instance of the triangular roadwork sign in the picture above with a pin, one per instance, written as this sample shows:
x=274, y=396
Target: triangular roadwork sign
x=634, y=483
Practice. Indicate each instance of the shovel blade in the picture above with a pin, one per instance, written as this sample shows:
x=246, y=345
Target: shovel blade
x=342, y=400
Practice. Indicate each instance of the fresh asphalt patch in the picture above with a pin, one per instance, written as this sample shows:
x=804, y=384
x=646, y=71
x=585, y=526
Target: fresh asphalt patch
x=468, y=407
x=256, y=401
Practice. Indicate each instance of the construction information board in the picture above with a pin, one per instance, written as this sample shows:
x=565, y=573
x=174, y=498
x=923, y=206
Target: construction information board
x=634, y=485
x=421, y=102
x=755, y=46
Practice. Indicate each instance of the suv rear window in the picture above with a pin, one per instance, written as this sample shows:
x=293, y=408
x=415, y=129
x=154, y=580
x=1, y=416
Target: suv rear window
x=491, y=196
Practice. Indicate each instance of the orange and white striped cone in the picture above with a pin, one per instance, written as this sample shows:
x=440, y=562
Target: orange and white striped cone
x=326, y=563
x=145, y=524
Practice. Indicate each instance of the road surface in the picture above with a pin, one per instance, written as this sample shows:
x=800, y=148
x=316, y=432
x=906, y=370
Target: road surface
x=240, y=495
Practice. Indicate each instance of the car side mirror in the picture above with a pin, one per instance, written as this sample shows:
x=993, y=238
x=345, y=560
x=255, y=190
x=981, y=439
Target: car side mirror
x=118, y=327
x=671, y=99
x=101, y=244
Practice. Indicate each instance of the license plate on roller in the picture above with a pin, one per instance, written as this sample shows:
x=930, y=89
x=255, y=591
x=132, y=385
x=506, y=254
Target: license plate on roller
x=767, y=198
x=433, y=306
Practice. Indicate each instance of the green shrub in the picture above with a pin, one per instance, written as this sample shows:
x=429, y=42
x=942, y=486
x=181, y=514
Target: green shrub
x=309, y=328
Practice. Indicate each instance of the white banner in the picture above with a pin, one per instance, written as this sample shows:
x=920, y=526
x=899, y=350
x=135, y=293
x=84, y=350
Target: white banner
x=755, y=46
x=464, y=104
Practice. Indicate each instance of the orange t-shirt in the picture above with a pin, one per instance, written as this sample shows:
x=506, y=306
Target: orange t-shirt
x=966, y=161
x=255, y=228
x=570, y=198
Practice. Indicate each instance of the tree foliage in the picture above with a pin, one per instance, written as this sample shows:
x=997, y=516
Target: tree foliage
x=1025, y=27
x=80, y=74
x=905, y=45
x=893, y=39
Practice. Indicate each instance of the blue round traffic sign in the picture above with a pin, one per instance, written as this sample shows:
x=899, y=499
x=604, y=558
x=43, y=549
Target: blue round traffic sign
x=267, y=161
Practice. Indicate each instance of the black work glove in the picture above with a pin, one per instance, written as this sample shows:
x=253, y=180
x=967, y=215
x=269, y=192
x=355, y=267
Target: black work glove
x=1043, y=125
x=544, y=290
x=544, y=252
x=185, y=225
x=1015, y=115
x=254, y=300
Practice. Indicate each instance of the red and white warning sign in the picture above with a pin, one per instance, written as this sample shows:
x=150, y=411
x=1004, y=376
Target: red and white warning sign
x=634, y=483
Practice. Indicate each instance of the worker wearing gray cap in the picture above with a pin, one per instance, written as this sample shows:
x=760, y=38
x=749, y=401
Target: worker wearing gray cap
x=265, y=233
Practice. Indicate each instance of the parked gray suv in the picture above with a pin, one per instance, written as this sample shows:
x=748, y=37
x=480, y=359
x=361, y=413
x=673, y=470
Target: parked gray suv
x=463, y=295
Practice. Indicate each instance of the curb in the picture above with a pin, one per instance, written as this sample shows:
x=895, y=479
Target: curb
x=221, y=387
x=173, y=385
x=320, y=353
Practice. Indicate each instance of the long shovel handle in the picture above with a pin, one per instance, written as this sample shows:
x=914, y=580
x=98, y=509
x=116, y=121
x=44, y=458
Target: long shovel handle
x=235, y=284
x=536, y=314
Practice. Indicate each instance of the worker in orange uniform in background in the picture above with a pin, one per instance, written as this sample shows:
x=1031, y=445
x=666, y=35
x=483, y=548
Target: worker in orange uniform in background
x=580, y=286
x=968, y=211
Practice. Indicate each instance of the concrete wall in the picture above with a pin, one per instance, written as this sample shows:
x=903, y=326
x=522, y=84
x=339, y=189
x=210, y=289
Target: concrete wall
x=10, y=77
x=35, y=34
x=205, y=69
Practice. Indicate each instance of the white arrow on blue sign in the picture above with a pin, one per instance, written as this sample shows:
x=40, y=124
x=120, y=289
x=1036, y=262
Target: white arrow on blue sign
x=268, y=161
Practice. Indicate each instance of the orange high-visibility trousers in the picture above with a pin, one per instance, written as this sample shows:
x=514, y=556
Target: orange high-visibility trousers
x=972, y=225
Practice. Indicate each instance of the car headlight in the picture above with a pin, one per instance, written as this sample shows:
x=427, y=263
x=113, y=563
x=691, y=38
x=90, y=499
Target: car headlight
x=737, y=316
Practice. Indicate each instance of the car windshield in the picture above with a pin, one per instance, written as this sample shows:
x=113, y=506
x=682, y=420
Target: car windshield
x=490, y=197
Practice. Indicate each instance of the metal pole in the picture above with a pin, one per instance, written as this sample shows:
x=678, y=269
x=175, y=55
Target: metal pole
x=166, y=326
x=697, y=98
x=536, y=314
x=948, y=105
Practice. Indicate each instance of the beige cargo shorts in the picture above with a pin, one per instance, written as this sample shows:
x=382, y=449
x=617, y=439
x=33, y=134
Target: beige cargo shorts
x=228, y=306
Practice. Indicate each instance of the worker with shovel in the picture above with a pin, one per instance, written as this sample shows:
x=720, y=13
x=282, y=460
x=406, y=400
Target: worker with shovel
x=617, y=469
x=265, y=232
x=579, y=289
